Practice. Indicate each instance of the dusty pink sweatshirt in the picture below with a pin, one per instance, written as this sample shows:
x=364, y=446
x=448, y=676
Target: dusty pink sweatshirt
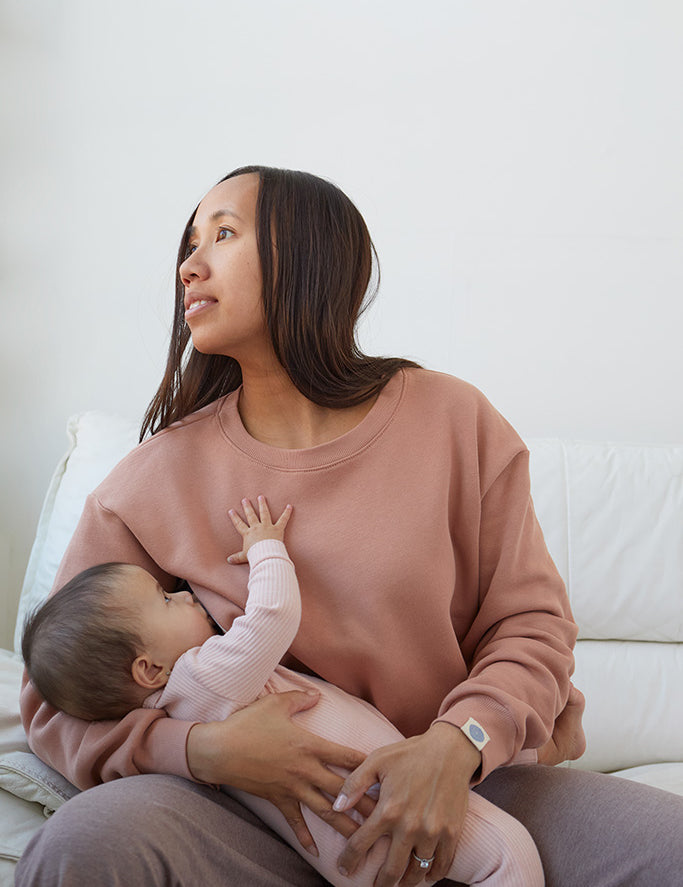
x=426, y=585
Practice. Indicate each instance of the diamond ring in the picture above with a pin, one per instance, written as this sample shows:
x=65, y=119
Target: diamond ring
x=424, y=863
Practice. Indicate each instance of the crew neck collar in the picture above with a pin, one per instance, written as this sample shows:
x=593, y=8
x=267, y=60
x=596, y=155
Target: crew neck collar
x=323, y=455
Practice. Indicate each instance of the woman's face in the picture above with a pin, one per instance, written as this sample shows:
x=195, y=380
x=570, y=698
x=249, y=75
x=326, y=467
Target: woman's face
x=222, y=274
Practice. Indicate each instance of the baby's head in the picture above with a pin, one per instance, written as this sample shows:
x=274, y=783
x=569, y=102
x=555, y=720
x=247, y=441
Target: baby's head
x=106, y=640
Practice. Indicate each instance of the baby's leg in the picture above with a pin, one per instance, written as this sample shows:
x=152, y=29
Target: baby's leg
x=495, y=849
x=328, y=841
x=493, y=845
x=346, y=720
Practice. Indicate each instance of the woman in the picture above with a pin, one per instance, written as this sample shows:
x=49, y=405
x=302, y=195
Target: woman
x=434, y=598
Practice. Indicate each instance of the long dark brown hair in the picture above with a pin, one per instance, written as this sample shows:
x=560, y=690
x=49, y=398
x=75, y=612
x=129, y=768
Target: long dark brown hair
x=316, y=284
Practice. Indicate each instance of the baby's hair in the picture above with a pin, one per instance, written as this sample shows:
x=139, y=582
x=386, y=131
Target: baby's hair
x=79, y=646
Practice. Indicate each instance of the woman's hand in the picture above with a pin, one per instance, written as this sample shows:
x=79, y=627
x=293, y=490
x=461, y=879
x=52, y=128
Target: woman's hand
x=260, y=750
x=422, y=804
x=568, y=741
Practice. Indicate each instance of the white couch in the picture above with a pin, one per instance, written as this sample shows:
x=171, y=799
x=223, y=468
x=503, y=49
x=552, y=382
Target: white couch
x=613, y=519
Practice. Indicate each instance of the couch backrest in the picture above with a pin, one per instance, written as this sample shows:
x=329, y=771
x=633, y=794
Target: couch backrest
x=612, y=515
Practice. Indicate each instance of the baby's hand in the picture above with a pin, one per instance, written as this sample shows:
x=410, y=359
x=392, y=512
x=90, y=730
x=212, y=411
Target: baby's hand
x=258, y=527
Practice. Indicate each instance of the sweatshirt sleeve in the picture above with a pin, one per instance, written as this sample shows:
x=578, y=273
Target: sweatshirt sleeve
x=229, y=671
x=519, y=646
x=85, y=752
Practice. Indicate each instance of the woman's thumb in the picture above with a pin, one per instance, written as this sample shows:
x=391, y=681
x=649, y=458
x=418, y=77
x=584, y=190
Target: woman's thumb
x=299, y=700
x=362, y=781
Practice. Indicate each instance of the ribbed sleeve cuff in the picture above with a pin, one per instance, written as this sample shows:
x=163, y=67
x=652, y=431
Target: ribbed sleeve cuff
x=497, y=723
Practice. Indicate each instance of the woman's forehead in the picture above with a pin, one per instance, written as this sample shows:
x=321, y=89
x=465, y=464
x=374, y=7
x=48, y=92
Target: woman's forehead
x=236, y=196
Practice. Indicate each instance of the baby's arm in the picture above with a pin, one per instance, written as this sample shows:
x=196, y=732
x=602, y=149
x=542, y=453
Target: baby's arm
x=229, y=671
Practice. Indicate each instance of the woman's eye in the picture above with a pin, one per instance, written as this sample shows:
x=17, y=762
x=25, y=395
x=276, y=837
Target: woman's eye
x=224, y=231
x=190, y=249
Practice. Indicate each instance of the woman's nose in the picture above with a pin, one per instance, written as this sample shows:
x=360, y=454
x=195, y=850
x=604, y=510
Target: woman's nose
x=193, y=268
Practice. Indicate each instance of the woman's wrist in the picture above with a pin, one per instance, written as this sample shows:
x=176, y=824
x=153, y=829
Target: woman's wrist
x=456, y=743
x=199, y=749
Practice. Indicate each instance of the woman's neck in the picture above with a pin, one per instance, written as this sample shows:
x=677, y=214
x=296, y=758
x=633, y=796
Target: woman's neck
x=275, y=412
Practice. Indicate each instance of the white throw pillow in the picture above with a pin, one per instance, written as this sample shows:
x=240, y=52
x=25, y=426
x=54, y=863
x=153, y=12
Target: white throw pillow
x=97, y=442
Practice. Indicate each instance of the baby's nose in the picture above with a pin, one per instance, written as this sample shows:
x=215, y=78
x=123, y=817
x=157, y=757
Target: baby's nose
x=187, y=597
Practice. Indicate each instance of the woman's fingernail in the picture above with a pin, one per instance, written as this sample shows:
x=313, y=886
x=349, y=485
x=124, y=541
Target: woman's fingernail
x=313, y=850
x=339, y=805
x=342, y=871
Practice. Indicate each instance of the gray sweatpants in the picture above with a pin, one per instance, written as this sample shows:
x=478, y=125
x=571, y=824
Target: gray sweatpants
x=162, y=831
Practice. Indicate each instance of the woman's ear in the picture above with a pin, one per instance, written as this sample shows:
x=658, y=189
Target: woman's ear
x=148, y=674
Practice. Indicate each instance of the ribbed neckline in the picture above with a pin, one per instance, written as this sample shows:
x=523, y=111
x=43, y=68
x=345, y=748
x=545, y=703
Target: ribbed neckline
x=324, y=455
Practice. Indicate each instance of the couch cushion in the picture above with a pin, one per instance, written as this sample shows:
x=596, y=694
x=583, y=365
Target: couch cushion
x=633, y=712
x=26, y=776
x=12, y=736
x=22, y=773
x=20, y=821
x=612, y=515
x=668, y=777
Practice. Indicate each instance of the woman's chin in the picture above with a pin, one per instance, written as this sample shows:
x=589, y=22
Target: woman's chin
x=204, y=345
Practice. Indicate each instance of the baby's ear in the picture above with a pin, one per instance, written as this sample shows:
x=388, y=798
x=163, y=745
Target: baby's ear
x=147, y=674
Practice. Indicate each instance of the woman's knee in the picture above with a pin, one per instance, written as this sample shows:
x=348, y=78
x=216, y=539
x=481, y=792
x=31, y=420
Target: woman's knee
x=591, y=828
x=158, y=831
x=103, y=836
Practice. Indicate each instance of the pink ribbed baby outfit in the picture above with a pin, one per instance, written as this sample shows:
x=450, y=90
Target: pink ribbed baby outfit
x=229, y=671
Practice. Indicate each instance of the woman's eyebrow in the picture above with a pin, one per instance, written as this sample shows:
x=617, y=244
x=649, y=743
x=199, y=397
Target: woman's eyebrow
x=214, y=217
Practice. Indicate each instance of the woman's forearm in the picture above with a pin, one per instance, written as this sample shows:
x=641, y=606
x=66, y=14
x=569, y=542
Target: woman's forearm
x=88, y=753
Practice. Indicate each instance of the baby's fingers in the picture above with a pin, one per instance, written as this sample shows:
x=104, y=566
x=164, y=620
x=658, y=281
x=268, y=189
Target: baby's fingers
x=237, y=521
x=239, y=557
x=250, y=514
x=283, y=520
x=264, y=511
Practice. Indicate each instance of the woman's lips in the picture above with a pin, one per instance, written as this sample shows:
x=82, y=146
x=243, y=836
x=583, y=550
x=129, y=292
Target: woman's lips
x=196, y=304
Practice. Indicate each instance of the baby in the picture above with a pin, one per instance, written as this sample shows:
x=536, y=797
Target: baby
x=112, y=640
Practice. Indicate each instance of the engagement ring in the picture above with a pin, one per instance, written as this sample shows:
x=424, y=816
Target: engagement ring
x=424, y=863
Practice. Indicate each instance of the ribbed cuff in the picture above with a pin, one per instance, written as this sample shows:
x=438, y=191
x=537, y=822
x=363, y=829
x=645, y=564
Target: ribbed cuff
x=497, y=723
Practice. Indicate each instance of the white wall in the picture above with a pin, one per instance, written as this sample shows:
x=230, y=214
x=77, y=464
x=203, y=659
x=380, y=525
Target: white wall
x=518, y=162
